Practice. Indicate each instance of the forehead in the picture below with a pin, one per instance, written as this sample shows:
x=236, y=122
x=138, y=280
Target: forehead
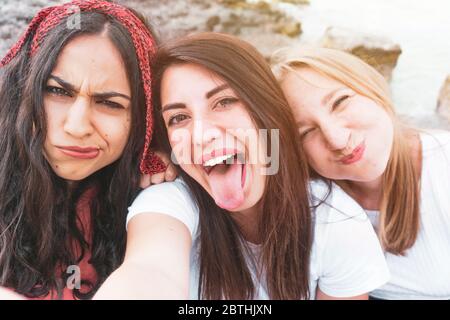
x=310, y=80
x=305, y=89
x=188, y=81
x=92, y=58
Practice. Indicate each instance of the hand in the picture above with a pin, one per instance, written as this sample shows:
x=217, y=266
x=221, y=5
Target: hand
x=169, y=175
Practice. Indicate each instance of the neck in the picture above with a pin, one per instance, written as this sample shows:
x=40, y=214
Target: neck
x=248, y=222
x=367, y=193
x=72, y=187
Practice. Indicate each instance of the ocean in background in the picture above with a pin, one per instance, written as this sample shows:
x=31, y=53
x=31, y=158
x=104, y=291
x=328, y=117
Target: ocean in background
x=421, y=28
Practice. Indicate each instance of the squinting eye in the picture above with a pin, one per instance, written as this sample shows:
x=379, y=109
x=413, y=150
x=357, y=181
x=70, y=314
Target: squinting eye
x=177, y=119
x=57, y=91
x=304, y=133
x=226, y=102
x=111, y=104
x=338, y=101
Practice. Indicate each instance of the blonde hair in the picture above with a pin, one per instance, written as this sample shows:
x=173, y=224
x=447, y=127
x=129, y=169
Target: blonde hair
x=399, y=210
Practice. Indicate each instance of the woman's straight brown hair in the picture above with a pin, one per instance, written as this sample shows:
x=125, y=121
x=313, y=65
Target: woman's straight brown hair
x=285, y=226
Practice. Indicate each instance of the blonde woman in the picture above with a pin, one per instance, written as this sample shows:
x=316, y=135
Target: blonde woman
x=399, y=175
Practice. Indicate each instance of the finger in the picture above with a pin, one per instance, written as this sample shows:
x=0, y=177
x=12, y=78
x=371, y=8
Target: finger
x=145, y=181
x=171, y=173
x=157, y=178
x=164, y=157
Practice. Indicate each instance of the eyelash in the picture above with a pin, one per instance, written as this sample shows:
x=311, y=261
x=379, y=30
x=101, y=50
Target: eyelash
x=338, y=101
x=219, y=104
x=57, y=91
x=336, y=105
x=111, y=104
x=63, y=93
x=176, y=118
x=304, y=133
x=226, y=101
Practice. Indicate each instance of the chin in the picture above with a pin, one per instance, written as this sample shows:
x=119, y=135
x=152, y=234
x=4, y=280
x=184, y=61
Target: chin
x=237, y=209
x=72, y=176
x=368, y=176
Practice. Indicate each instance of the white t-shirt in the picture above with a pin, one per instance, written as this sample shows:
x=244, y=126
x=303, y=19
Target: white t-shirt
x=346, y=258
x=424, y=271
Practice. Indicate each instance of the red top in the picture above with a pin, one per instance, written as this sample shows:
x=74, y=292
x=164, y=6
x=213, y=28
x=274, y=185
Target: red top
x=86, y=270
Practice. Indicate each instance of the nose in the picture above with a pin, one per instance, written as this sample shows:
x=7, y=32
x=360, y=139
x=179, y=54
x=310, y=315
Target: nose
x=336, y=136
x=78, y=119
x=204, y=132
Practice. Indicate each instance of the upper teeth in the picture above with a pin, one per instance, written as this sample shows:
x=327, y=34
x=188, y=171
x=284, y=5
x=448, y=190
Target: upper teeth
x=217, y=160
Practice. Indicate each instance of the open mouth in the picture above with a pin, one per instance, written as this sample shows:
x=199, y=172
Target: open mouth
x=226, y=172
x=228, y=159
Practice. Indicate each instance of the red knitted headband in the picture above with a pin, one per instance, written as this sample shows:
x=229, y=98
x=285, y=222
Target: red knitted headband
x=144, y=44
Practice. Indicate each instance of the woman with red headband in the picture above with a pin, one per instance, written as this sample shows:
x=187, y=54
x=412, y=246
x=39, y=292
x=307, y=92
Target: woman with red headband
x=76, y=104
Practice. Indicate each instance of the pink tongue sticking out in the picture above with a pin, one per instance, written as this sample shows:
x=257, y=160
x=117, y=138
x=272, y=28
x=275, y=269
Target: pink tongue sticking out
x=226, y=184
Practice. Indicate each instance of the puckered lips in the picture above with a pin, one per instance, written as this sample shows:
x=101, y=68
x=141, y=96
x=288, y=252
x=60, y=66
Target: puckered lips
x=355, y=156
x=80, y=152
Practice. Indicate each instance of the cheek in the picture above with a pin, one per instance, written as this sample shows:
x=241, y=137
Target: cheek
x=54, y=115
x=115, y=131
x=259, y=183
x=319, y=159
x=377, y=126
x=315, y=153
x=238, y=118
x=180, y=144
x=365, y=113
x=386, y=125
x=382, y=139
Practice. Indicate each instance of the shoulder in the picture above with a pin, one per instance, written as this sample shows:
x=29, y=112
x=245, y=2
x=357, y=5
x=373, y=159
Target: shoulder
x=170, y=198
x=337, y=217
x=347, y=258
x=175, y=189
x=435, y=141
x=436, y=155
x=330, y=203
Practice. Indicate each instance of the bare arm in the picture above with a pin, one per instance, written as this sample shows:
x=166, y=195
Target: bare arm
x=156, y=264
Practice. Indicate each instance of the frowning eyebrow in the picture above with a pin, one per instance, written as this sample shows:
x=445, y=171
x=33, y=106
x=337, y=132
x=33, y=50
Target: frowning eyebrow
x=99, y=95
x=179, y=105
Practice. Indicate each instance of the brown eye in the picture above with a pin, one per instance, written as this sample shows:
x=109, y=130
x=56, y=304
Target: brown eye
x=177, y=119
x=225, y=102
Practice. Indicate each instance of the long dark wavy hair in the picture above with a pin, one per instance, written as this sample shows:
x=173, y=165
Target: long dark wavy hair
x=37, y=208
x=285, y=223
